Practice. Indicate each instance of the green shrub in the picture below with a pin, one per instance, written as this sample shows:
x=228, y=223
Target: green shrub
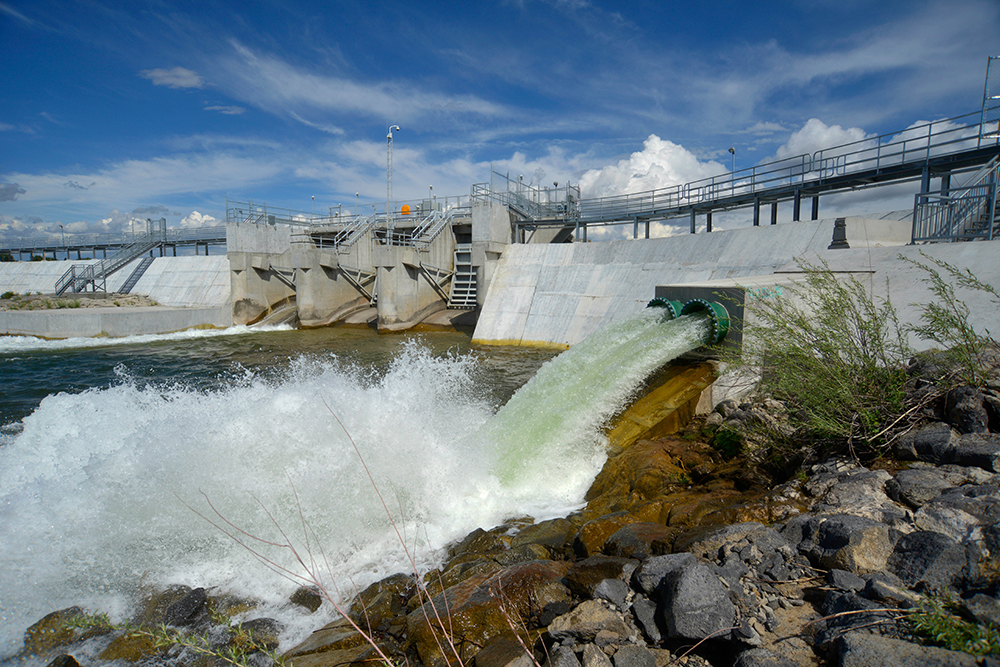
x=937, y=621
x=7, y=295
x=832, y=352
x=946, y=321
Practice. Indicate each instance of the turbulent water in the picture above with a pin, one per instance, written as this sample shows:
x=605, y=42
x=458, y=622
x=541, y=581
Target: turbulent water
x=120, y=459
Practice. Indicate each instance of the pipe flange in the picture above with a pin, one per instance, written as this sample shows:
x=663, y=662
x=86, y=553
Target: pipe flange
x=717, y=314
x=672, y=307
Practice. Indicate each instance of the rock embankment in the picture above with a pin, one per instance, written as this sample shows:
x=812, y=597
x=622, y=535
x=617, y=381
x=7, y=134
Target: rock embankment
x=682, y=557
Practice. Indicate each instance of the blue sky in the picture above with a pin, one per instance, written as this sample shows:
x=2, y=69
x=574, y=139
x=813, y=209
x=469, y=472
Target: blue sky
x=120, y=110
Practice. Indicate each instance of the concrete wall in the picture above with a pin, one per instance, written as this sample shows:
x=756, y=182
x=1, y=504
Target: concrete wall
x=183, y=282
x=556, y=295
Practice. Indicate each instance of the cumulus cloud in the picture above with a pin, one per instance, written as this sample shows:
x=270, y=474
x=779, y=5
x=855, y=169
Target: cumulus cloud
x=10, y=191
x=177, y=77
x=816, y=135
x=196, y=219
x=659, y=164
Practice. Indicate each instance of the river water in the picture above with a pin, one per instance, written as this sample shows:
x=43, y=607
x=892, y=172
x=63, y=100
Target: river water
x=122, y=460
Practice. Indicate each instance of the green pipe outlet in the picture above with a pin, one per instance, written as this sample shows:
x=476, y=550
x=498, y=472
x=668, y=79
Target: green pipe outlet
x=716, y=312
x=673, y=307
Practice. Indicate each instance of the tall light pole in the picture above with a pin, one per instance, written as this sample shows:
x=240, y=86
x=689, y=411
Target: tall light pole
x=356, y=195
x=732, y=151
x=388, y=179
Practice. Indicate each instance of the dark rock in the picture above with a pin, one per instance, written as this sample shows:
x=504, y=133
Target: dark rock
x=760, y=657
x=480, y=542
x=631, y=655
x=307, y=597
x=709, y=543
x=887, y=587
x=336, y=639
x=865, y=650
x=982, y=609
x=556, y=535
x=186, y=610
x=695, y=603
x=559, y=656
x=964, y=410
x=584, y=576
x=522, y=554
x=843, y=609
x=504, y=651
x=981, y=450
x=917, y=486
x=64, y=661
x=933, y=442
x=264, y=633
x=644, y=610
x=637, y=540
x=651, y=572
x=962, y=513
x=929, y=560
x=847, y=542
x=614, y=591
x=592, y=536
x=383, y=599
x=845, y=581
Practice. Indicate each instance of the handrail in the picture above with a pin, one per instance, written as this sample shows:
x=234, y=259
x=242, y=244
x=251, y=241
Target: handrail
x=960, y=213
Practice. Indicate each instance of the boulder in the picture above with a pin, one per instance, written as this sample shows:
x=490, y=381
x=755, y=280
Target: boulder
x=864, y=650
x=585, y=622
x=978, y=449
x=931, y=561
x=933, y=443
x=853, y=543
x=640, y=540
x=695, y=604
x=584, y=576
x=964, y=410
x=652, y=571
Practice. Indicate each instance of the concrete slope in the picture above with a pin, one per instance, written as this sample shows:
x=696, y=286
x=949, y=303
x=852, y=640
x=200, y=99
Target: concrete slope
x=171, y=281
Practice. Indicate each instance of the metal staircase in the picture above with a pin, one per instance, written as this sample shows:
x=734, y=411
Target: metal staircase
x=79, y=276
x=463, y=282
x=130, y=282
x=963, y=213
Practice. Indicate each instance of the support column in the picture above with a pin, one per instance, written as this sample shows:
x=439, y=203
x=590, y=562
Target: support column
x=635, y=228
x=647, y=228
x=815, y=211
x=756, y=211
x=797, y=205
x=774, y=212
x=693, y=228
x=708, y=217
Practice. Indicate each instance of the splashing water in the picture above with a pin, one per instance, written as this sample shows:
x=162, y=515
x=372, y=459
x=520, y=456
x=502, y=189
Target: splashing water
x=97, y=490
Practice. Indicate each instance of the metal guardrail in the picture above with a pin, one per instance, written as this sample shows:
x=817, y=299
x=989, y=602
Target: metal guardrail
x=206, y=234
x=879, y=155
x=961, y=213
x=78, y=276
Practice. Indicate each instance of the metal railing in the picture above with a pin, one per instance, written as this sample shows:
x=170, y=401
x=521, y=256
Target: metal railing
x=881, y=155
x=532, y=202
x=79, y=276
x=961, y=213
x=207, y=234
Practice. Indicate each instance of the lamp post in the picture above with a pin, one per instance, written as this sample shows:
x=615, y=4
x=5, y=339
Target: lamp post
x=732, y=176
x=388, y=179
x=356, y=195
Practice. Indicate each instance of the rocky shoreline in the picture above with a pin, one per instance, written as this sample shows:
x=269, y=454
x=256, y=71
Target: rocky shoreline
x=681, y=557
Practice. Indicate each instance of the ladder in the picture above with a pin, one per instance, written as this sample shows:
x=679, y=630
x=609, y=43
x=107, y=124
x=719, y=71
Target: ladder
x=136, y=274
x=463, y=283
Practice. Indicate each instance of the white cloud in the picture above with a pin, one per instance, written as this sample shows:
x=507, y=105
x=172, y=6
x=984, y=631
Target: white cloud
x=229, y=111
x=659, y=164
x=196, y=219
x=178, y=77
x=816, y=135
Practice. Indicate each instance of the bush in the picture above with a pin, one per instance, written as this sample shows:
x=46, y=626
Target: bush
x=7, y=295
x=833, y=353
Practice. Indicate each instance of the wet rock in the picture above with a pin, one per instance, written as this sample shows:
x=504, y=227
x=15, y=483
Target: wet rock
x=52, y=631
x=585, y=622
x=64, y=661
x=504, y=651
x=522, y=554
x=382, y=600
x=556, y=535
x=483, y=606
x=865, y=650
x=593, y=535
x=584, y=577
x=338, y=637
x=307, y=597
x=929, y=560
x=481, y=542
x=964, y=410
x=695, y=603
x=186, y=610
x=639, y=540
x=263, y=634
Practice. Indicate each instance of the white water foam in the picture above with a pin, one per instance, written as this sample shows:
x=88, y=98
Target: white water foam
x=13, y=344
x=96, y=493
